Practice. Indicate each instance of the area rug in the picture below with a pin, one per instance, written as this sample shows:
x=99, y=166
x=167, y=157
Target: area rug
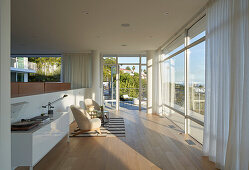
x=115, y=128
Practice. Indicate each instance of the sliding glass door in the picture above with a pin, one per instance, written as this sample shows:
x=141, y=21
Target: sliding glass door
x=196, y=89
x=174, y=88
x=129, y=86
x=132, y=82
x=125, y=82
x=109, y=81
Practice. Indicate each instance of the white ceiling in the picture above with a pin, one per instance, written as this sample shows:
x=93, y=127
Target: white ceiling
x=57, y=26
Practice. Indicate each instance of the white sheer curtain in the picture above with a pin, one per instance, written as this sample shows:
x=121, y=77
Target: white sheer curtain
x=77, y=69
x=226, y=130
x=167, y=79
x=238, y=141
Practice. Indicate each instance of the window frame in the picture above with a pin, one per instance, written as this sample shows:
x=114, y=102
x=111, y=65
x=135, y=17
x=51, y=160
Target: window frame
x=117, y=64
x=186, y=48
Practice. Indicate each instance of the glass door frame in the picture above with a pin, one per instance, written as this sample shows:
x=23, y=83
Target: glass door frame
x=118, y=76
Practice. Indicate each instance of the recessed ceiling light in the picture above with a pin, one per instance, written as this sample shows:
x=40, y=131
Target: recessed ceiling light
x=125, y=25
x=85, y=12
x=166, y=13
x=124, y=45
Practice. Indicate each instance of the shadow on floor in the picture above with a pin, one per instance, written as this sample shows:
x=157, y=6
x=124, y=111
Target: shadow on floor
x=148, y=145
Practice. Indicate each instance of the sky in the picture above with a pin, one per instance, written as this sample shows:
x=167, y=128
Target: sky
x=136, y=67
x=132, y=60
x=196, y=63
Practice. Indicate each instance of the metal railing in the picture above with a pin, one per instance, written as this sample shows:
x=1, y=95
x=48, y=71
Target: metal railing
x=22, y=64
x=32, y=66
x=185, y=116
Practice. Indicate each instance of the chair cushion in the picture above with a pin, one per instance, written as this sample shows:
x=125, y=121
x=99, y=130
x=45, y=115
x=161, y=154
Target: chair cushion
x=90, y=102
x=95, y=123
x=85, y=113
x=80, y=118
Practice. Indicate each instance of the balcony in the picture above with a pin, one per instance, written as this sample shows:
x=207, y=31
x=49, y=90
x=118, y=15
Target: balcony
x=21, y=64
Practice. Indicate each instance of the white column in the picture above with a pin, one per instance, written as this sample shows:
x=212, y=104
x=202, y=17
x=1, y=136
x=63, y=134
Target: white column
x=150, y=56
x=186, y=90
x=96, y=79
x=157, y=96
x=101, y=66
x=172, y=84
x=140, y=83
x=117, y=84
x=5, y=114
x=156, y=84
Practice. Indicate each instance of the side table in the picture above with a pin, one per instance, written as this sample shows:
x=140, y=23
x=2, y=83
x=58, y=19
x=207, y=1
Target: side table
x=105, y=113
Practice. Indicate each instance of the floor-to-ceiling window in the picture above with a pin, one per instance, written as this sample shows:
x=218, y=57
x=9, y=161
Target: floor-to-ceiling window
x=183, y=80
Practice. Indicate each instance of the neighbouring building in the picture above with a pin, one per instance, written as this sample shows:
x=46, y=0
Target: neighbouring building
x=20, y=68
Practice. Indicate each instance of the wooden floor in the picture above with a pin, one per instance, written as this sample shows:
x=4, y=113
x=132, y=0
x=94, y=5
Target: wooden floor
x=151, y=142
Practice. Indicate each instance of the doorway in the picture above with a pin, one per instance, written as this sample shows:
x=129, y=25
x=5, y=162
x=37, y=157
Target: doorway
x=125, y=82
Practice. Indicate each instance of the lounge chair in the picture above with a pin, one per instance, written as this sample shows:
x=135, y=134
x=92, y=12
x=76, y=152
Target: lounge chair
x=102, y=114
x=91, y=102
x=84, y=121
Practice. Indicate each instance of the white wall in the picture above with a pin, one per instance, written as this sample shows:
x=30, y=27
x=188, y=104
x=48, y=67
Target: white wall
x=5, y=147
x=34, y=104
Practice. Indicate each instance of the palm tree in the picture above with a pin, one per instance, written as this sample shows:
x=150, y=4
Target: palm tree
x=133, y=68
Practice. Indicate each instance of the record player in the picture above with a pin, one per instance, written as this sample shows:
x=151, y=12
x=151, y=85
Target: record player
x=27, y=124
x=24, y=125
